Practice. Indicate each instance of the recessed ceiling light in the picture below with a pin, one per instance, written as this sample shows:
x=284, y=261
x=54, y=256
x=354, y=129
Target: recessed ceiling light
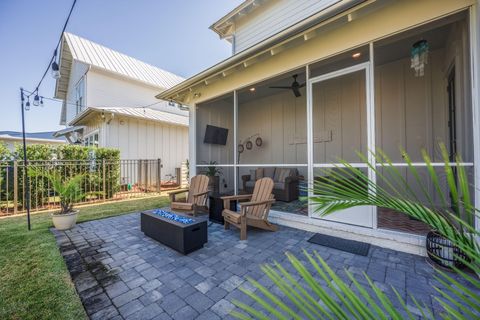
x=252, y=89
x=356, y=55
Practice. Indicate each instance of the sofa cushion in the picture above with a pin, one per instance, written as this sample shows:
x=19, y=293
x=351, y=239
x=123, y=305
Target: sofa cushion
x=269, y=172
x=250, y=184
x=279, y=186
x=259, y=173
x=284, y=173
x=253, y=175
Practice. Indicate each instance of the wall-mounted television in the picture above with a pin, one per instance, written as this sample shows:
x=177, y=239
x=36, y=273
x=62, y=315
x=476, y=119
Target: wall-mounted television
x=215, y=135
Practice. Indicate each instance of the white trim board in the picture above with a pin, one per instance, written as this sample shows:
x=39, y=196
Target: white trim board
x=394, y=240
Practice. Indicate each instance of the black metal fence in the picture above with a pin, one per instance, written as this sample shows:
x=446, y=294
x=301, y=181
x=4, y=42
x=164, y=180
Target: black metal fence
x=102, y=180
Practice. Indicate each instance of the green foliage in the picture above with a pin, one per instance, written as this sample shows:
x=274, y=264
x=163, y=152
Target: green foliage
x=34, y=280
x=68, y=161
x=5, y=154
x=346, y=187
x=212, y=170
x=68, y=189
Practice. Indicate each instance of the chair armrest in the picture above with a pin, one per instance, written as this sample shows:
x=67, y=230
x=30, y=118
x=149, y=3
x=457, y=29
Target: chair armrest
x=200, y=194
x=177, y=191
x=172, y=195
x=237, y=197
x=256, y=203
x=246, y=177
x=291, y=179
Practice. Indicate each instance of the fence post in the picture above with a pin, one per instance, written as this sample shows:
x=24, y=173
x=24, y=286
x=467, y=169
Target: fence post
x=103, y=180
x=159, y=175
x=15, y=187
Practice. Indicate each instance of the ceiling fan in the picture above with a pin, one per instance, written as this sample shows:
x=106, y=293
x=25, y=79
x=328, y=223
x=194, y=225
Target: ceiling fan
x=295, y=86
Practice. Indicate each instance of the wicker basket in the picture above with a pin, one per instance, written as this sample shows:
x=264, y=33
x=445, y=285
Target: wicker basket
x=443, y=252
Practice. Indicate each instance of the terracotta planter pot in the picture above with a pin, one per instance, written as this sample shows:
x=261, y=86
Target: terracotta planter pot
x=64, y=221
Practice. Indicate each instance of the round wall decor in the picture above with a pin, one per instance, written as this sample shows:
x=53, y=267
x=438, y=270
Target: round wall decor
x=258, y=142
x=249, y=145
x=240, y=148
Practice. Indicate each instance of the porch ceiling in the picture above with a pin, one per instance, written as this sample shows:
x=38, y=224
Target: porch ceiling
x=321, y=36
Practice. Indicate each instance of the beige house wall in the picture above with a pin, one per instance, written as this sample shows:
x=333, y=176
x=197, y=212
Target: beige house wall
x=391, y=19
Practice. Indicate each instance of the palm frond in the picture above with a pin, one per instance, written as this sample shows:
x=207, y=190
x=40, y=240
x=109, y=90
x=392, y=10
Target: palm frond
x=324, y=295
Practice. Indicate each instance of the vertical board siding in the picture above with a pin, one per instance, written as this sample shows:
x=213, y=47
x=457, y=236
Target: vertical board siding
x=140, y=139
x=411, y=111
x=274, y=17
x=280, y=120
x=78, y=71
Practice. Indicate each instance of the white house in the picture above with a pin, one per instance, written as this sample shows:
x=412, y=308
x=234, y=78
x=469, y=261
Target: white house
x=12, y=138
x=109, y=101
x=318, y=80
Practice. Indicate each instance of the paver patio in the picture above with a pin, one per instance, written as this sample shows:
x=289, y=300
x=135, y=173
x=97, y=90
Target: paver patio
x=121, y=274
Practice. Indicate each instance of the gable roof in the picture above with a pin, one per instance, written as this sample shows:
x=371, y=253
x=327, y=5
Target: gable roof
x=224, y=26
x=139, y=113
x=38, y=136
x=75, y=48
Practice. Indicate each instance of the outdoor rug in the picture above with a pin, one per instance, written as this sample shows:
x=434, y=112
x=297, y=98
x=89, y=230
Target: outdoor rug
x=355, y=247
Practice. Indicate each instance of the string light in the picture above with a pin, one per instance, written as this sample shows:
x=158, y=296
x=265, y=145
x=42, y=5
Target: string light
x=36, y=100
x=55, y=69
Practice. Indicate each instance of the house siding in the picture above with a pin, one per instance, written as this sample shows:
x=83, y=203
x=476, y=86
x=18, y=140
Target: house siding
x=107, y=90
x=143, y=139
x=376, y=25
x=79, y=70
x=272, y=18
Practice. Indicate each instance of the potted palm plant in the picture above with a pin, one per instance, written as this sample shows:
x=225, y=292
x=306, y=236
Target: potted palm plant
x=69, y=191
x=213, y=173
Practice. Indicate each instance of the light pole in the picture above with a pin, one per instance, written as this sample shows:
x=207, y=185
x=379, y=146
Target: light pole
x=25, y=162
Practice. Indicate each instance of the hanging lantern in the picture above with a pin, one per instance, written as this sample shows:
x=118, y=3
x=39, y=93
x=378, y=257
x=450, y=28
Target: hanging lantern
x=419, y=57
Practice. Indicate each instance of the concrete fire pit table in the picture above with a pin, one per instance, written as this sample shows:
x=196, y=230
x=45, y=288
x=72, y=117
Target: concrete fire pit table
x=179, y=231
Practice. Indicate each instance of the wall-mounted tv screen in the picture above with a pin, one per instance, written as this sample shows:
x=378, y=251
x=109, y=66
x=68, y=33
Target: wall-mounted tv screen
x=215, y=135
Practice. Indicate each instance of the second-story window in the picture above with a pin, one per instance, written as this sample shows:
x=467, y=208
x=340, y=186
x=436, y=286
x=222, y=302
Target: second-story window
x=80, y=96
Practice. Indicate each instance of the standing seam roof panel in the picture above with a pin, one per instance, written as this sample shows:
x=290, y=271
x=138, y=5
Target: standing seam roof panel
x=92, y=53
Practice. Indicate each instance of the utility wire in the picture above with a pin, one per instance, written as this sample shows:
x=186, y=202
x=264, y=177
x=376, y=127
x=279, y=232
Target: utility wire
x=55, y=51
x=98, y=106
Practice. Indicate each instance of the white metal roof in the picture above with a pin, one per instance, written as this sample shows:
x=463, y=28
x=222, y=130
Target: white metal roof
x=105, y=58
x=142, y=113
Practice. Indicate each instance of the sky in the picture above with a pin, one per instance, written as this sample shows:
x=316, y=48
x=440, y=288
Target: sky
x=172, y=35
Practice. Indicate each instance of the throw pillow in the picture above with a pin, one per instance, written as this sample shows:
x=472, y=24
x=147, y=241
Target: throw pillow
x=284, y=173
x=259, y=173
x=269, y=172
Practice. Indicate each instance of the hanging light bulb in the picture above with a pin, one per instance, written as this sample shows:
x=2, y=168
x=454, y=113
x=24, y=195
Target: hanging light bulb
x=36, y=100
x=41, y=102
x=27, y=105
x=419, y=57
x=55, y=71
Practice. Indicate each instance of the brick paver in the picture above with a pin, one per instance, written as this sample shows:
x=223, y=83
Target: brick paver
x=120, y=273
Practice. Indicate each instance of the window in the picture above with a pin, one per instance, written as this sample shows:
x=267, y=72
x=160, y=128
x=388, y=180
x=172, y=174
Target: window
x=80, y=96
x=91, y=140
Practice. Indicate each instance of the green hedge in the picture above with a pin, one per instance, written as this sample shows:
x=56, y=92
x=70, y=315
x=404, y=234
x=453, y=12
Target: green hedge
x=69, y=160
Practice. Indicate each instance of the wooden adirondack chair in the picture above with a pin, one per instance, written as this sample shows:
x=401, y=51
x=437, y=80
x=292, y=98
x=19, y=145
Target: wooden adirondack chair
x=196, y=200
x=254, y=212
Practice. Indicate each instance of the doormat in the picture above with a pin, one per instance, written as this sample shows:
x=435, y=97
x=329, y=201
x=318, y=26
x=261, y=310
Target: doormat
x=355, y=247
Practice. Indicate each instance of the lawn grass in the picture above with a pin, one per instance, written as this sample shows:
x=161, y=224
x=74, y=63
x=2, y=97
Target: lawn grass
x=34, y=280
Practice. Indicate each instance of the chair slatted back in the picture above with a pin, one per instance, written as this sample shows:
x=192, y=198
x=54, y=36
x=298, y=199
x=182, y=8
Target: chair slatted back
x=198, y=184
x=261, y=192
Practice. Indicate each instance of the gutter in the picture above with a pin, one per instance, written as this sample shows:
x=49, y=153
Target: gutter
x=297, y=29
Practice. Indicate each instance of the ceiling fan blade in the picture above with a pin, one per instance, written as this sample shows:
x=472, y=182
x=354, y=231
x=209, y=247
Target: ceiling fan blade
x=302, y=85
x=280, y=87
x=296, y=92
